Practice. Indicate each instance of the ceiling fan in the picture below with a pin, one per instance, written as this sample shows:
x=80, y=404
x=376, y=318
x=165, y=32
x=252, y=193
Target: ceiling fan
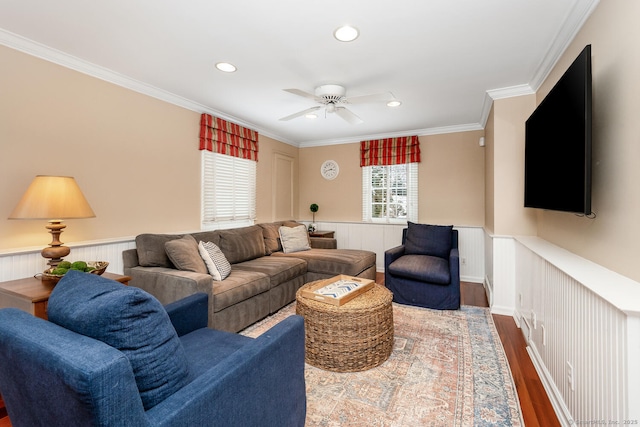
x=333, y=98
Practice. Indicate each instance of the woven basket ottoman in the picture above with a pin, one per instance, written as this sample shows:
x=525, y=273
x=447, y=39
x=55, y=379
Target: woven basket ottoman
x=353, y=337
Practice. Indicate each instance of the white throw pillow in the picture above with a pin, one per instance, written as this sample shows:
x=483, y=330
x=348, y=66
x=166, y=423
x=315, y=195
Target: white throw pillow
x=294, y=239
x=217, y=264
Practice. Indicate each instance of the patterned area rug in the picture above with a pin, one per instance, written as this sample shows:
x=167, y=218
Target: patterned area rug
x=447, y=368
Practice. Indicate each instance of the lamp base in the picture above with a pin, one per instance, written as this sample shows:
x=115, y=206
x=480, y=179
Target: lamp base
x=55, y=251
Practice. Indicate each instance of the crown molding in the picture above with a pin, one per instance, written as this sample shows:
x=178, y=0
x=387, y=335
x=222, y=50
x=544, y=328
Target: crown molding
x=580, y=12
x=505, y=92
x=510, y=92
x=47, y=53
x=574, y=21
x=420, y=132
x=576, y=18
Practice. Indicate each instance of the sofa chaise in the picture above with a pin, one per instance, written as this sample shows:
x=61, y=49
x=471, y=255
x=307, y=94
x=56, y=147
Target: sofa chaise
x=263, y=278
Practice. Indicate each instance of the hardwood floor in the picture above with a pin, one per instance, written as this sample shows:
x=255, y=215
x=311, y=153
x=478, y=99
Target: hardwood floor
x=536, y=407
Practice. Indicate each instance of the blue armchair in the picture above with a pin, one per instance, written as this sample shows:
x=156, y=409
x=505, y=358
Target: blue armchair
x=112, y=355
x=425, y=270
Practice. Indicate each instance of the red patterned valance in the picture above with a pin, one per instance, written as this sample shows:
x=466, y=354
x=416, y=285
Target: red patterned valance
x=221, y=136
x=390, y=151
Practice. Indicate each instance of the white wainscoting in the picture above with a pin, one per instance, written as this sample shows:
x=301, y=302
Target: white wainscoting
x=352, y=235
x=380, y=237
x=28, y=262
x=582, y=325
x=503, y=283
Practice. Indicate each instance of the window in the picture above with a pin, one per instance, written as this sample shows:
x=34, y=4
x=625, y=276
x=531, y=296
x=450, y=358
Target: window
x=228, y=191
x=229, y=158
x=390, y=193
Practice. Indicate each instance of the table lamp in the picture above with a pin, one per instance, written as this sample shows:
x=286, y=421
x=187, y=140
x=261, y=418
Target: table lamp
x=53, y=198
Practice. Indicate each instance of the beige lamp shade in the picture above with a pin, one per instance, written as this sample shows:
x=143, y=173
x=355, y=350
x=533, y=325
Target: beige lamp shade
x=53, y=197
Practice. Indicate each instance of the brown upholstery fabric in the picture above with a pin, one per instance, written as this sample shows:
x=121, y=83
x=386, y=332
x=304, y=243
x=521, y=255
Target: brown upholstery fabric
x=334, y=261
x=279, y=269
x=271, y=237
x=208, y=236
x=151, y=251
x=184, y=254
x=242, y=244
x=239, y=286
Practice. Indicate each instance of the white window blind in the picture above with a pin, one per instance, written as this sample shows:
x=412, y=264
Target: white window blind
x=228, y=191
x=390, y=193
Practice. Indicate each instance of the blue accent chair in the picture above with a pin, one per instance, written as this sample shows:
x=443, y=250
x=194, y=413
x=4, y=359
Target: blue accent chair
x=425, y=270
x=162, y=366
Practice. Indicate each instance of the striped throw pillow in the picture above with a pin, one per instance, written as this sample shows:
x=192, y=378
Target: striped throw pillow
x=217, y=264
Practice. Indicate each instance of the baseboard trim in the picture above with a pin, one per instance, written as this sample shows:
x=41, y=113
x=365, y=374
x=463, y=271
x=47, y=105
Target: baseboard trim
x=560, y=408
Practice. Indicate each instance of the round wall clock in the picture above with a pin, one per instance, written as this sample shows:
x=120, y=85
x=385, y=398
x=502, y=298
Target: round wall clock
x=329, y=169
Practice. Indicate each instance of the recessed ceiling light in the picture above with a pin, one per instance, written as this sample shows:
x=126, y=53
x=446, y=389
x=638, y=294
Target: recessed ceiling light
x=226, y=67
x=311, y=116
x=394, y=103
x=346, y=33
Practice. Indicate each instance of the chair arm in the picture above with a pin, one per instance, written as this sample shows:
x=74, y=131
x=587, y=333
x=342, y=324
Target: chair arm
x=454, y=266
x=53, y=376
x=190, y=313
x=392, y=254
x=261, y=384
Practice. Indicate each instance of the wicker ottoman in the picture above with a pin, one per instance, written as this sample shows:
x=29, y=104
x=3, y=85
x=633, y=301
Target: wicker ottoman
x=353, y=337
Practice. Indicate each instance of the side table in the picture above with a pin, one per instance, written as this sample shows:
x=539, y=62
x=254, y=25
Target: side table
x=318, y=233
x=32, y=293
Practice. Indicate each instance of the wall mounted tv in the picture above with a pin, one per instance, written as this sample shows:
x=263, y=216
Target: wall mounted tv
x=558, y=144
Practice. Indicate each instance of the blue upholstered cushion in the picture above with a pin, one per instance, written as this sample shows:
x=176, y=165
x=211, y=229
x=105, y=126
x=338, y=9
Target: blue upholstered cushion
x=128, y=319
x=424, y=239
x=424, y=268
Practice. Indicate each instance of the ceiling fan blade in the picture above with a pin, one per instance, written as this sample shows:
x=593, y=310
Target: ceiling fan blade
x=363, y=99
x=348, y=116
x=300, y=113
x=302, y=93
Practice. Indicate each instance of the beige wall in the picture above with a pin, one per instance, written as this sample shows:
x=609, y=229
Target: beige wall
x=134, y=157
x=451, y=181
x=510, y=217
x=277, y=186
x=339, y=199
x=612, y=238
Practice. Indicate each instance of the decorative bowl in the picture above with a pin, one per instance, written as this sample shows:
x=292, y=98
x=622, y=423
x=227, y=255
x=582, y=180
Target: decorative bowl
x=99, y=268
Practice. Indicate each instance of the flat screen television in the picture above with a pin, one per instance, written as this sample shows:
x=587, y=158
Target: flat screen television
x=557, y=169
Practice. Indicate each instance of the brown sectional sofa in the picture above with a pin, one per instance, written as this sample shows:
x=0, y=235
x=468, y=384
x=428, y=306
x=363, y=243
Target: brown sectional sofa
x=263, y=279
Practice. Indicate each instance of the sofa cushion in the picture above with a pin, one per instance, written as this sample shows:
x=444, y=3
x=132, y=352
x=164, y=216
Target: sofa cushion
x=151, y=252
x=424, y=239
x=184, y=254
x=212, y=236
x=242, y=244
x=335, y=261
x=240, y=286
x=424, y=268
x=128, y=319
x=294, y=239
x=271, y=237
x=279, y=269
x=217, y=265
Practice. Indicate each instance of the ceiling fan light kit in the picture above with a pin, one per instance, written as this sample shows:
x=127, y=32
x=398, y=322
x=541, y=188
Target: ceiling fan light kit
x=333, y=98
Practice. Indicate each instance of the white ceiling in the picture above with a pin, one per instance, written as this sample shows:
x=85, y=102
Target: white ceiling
x=444, y=59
